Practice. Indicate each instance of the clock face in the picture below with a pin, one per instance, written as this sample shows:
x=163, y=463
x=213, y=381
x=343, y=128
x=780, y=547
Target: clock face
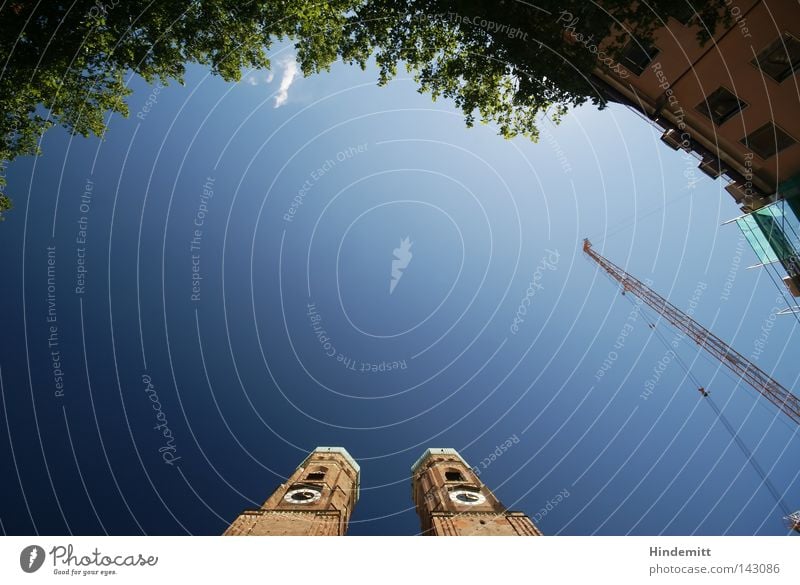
x=467, y=497
x=302, y=496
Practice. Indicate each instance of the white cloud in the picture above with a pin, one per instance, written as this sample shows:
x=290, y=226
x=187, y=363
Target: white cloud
x=259, y=78
x=290, y=73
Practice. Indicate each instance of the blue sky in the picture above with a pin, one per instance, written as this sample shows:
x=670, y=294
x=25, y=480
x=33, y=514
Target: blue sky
x=247, y=387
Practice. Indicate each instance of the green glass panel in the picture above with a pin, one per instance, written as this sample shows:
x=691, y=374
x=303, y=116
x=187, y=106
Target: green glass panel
x=754, y=236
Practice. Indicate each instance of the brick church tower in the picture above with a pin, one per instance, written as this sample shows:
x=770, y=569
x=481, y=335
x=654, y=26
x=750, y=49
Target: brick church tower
x=452, y=501
x=316, y=500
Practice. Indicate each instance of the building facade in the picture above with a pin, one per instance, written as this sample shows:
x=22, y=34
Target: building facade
x=732, y=104
x=452, y=501
x=316, y=500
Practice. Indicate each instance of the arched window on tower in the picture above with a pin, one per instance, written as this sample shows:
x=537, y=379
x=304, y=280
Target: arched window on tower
x=316, y=474
x=453, y=475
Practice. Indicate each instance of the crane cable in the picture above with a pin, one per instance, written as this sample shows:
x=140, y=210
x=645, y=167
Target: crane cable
x=728, y=426
x=750, y=458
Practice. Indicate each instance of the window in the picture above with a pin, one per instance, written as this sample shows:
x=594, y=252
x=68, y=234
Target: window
x=721, y=106
x=317, y=473
x=636, y=57
x=767, y=140
x=780, y=59
x=453, y=475
x=685, y=14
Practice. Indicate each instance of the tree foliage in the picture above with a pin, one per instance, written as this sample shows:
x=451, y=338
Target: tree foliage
x=5, y=205
x=68, y=63
x=507, y=61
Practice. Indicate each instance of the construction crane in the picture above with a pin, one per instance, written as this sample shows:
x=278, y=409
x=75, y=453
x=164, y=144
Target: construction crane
x=786, y=402
x=793, y=521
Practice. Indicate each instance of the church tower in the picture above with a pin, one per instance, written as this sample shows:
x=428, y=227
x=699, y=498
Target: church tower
x=452, y=501
x=316, y=500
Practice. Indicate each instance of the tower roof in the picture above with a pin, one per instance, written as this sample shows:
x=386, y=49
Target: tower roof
x=437, y=451
x=340, y=450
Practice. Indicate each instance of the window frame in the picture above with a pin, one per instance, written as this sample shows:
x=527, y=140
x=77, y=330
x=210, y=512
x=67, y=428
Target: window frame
x=652, y=53
x=744, y=140
x=459, y=476
x=704, y=107
x=774, y=45
x=691, y=21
